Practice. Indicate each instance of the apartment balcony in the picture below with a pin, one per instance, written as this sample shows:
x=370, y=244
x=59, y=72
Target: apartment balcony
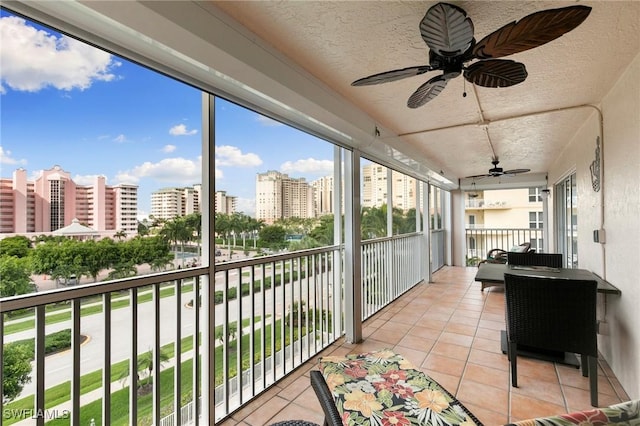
x=482, y=204
x=285, y=319
x=450, y=330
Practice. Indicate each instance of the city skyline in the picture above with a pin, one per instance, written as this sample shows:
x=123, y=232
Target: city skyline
x=68, y=104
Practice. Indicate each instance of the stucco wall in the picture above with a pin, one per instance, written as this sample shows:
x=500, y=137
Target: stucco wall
x=616, y=208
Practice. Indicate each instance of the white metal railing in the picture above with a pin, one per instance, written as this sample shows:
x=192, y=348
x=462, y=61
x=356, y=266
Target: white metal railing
x=271, y=314
x=390, y=267
x=479, y=241
x=288, y=304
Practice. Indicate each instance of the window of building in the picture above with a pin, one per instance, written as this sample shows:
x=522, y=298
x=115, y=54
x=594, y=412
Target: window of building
x=535, y=195
x=535, y=220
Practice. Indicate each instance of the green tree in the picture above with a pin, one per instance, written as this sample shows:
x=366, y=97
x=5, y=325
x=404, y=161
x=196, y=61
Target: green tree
x=15, y=276
x=194, y=225
x=17, y=246
x=232, y=330
x=373, y=222
x=120, y=235
x=16, y=370
x=144, y=366
x=323, y=232
x=176, y=231
x=273, y=237
x=98, y=256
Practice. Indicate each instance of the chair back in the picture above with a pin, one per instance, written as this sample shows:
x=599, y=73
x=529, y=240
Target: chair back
x=553, y=260
x=551, y=313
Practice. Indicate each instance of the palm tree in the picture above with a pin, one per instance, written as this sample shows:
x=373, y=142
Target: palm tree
x=120, y=235
x=176, y=231
x=194, y=224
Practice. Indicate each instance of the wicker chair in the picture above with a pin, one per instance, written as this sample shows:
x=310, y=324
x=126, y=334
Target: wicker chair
x=553, y=260
x=554, y=315
x=319, y=385
x=497, y=255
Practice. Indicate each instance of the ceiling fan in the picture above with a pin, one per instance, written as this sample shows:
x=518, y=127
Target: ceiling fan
x=496, y=171
x=448, y=33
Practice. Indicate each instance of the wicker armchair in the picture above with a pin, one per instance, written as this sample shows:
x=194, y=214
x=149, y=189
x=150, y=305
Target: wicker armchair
x=555, y=315
x=553, y=260
x=319, y=385
x=497, y=255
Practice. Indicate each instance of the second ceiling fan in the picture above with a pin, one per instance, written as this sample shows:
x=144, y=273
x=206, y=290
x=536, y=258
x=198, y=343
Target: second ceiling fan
x=448, y=33
x=496, y=171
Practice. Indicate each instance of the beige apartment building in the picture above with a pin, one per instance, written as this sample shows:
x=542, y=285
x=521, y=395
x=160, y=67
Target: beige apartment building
x=167, y=203
x=53, y=201
x=279, y=196
x=374, y=188
x=224, y=203
x=492, y=217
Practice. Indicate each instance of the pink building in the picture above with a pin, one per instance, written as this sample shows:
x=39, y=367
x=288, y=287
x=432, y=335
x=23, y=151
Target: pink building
x=53, y=200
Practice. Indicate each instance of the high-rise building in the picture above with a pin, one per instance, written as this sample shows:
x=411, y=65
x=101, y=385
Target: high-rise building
x=53, y=200
x=279, y=196
x=225, y=204
x=374, y=188
x=168, y=203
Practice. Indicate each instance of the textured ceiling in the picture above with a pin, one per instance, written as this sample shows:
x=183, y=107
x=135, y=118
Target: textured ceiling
x=341, y=41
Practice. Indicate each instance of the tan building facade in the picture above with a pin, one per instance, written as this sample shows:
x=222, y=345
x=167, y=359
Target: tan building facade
x=168, y=203
x=279, y=196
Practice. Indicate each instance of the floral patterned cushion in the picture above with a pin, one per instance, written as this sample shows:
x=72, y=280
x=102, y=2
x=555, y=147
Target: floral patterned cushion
x=383, y=389
x=626, y=413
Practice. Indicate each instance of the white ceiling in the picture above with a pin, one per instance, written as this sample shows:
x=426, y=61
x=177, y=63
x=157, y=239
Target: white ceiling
x=301, y=57
x=526, y=125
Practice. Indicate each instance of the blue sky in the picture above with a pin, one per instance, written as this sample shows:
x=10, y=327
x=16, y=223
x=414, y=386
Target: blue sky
x=65, y=103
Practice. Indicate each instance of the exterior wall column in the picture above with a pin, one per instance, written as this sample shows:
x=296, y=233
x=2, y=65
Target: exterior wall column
x=352, y=249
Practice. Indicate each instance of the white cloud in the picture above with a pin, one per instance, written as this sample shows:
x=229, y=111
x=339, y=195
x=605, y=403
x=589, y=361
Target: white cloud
x=177, y=171
x=309, y=165
x=34, y=59
x=181, y=130
x=246, y=205
x=6, y=158
x=168, y=148
x=227, y=155
x=120, y=138
x=266, y=121
x=86, y=179
x=219, y=174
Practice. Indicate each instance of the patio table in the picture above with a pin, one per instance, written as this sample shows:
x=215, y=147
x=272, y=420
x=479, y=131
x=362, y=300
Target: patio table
x=494, y=273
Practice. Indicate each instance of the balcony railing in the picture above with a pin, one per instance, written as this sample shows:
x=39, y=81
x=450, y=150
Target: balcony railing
x=479, y=240
x=258, y=320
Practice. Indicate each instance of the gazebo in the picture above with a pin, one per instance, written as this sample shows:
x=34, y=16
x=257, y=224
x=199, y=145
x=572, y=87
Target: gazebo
x=76, y=230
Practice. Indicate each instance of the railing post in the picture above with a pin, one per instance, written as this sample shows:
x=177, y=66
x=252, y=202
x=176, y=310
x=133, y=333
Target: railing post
x=352, y=249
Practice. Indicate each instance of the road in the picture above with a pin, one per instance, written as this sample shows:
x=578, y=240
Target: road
x=57, y=366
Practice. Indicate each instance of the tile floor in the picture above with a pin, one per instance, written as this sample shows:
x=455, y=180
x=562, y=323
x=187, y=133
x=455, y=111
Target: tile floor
x=450, y=330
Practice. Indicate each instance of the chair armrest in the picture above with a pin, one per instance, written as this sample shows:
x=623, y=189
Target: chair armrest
x=327, y=402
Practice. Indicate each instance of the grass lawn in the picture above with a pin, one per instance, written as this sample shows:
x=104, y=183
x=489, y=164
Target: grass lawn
x=118, y=302
x=60, y=393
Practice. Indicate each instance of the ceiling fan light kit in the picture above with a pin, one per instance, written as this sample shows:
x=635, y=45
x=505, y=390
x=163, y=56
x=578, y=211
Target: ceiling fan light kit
x=449, y=34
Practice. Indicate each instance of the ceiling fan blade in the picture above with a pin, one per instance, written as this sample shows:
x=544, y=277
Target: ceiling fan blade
x=446, y=29
x=531, y=31
x=427, y=91
x=477, y=176
x=387, y=76
x=496, y=73
x=515, y=171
